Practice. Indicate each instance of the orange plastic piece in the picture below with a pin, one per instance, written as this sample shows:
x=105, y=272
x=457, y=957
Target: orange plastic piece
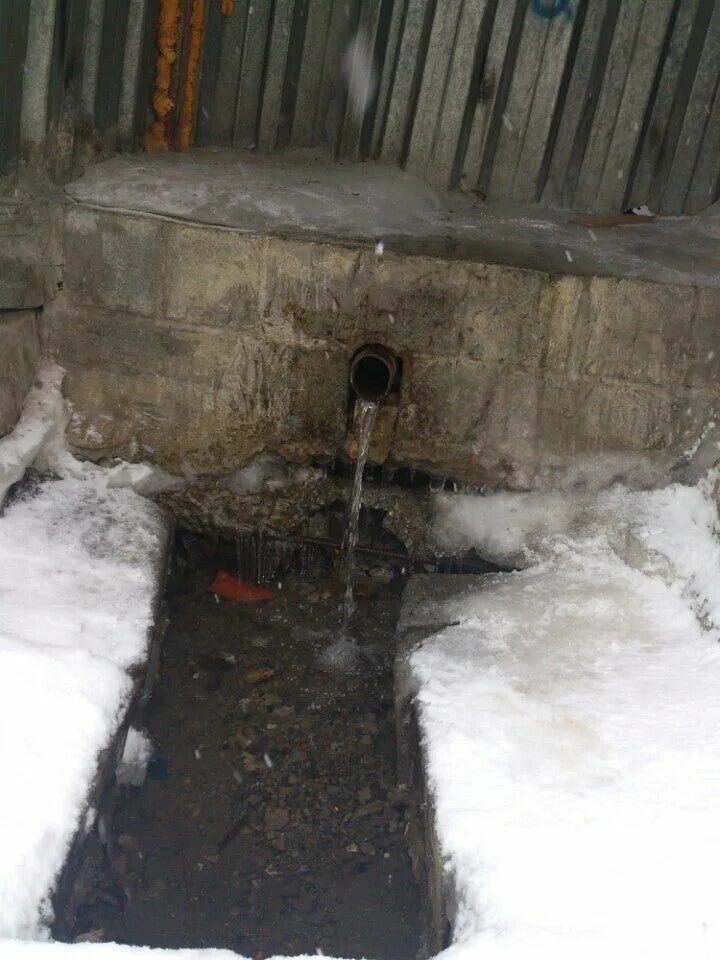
x=228, y=587
x=260, y=675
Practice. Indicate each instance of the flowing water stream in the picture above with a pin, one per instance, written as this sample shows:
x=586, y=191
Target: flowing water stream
x=367, y=411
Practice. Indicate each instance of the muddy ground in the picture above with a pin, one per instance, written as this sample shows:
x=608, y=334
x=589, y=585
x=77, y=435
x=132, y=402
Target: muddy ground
x=271, y=821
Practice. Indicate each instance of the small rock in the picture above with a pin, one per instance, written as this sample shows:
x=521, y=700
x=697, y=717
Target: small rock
x=371, y=809
x=276, y=818
x=381, y=574
x=398, y=797
x=155, y=889
x=92, y=936
x=251, y=764
x=291, y=890
x=127, y=843
x=120, y=865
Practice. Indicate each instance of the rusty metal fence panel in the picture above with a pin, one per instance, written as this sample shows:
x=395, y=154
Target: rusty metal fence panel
x=589, y=104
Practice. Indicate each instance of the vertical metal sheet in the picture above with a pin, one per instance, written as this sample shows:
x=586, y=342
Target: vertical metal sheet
x=132, y=60
x=578, y=108
x=36, y=73
x=408, y=76
x=543, y=101
x=705, y=183
x=366, y=39
x=633, y=105
x=658, y=119
x=91, y=60
x=249, y=98
x=697, y=113
x=597, y=152
x=14, y=20
x=278, y=47
x=438, y=60
x=311, y=73
x=488, y=91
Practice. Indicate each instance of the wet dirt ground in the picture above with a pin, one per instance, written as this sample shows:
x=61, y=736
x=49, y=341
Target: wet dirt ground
x=271, y=821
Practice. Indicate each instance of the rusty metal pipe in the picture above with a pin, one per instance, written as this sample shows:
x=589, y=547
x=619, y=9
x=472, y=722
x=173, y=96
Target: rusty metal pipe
x=373, y=372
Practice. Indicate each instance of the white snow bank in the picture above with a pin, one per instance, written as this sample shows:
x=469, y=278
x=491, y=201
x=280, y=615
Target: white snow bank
x=43, y=409
x=571, y=723
x=77, y=583
x=23, y=950
x=132, y=768
x=32, y=950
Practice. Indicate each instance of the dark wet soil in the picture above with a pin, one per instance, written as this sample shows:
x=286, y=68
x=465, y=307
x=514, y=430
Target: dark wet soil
x=271, y=821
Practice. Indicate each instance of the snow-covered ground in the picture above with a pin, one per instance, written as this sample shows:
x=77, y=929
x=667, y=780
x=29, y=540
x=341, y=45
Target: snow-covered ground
x=571, y=719
x=78, y=576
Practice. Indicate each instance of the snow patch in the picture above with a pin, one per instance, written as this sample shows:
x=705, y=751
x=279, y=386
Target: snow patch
x=132, y=768
x=78, y=576
x=570, y=721
x=263, y=469
x=42, y=411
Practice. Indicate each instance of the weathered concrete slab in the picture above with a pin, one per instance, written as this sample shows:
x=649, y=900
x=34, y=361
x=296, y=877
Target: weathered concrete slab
x=360, y=203
x=197, y=347
x=31, y=215
x=19, y=354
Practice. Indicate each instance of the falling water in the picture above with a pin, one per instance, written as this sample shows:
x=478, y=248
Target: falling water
x=367, y=411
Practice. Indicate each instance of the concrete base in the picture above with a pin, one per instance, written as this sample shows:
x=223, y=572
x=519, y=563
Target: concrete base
x=196, y=345
x=302, y=197
x=19, y=354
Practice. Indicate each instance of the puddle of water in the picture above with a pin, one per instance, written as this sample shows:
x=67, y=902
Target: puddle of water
x=272, y=822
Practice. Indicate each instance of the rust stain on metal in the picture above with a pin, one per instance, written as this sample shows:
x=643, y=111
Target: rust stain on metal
x=168, y=41
x=186, y=133
x=614, y=220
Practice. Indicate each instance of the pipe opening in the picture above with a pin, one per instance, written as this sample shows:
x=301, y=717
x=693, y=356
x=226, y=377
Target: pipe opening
x=374, y=372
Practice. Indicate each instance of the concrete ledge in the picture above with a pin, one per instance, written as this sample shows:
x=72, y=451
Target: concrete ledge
x=197, y=347
x=358, y=204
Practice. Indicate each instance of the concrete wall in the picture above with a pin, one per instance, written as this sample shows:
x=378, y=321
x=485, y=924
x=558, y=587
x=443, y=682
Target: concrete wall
x=19, y=353
x=196, y=348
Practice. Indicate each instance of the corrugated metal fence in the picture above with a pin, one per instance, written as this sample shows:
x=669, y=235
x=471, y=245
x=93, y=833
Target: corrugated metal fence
x=591, y=104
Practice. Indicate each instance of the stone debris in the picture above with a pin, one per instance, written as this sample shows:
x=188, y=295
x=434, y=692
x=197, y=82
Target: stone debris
x=292, y=812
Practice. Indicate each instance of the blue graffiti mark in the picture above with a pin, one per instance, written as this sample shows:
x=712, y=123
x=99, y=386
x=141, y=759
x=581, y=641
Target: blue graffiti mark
x=552, y=9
